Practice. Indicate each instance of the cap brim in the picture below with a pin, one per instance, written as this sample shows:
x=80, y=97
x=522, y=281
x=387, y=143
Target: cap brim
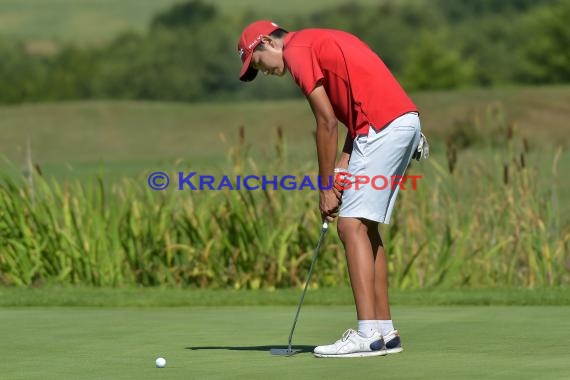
x=247, y=73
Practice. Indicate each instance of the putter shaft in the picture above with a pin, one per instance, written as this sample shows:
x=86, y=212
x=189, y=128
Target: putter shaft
x=323, y=232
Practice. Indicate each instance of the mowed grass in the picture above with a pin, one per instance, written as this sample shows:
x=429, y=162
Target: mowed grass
x=145, y=297
x=93, y=21
x=220, y=342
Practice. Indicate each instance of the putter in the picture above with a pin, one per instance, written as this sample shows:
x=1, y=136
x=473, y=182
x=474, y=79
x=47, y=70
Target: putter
x=288, y=351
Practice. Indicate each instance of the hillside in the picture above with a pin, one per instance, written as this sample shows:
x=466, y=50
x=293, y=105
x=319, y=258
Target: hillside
x=81, y=20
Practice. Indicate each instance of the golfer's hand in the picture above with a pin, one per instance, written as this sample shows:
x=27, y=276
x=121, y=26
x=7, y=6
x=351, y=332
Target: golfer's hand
x=329, y=202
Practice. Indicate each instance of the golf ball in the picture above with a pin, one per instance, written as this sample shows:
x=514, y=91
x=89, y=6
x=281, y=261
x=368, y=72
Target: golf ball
x=160, y=362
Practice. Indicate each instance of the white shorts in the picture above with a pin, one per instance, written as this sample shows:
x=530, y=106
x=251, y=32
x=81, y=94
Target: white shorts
x=382, y=156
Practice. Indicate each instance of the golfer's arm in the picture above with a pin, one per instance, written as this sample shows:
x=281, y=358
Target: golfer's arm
x=327, y=132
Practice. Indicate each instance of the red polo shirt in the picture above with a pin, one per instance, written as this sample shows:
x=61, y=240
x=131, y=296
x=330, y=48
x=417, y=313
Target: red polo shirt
x=361, y=89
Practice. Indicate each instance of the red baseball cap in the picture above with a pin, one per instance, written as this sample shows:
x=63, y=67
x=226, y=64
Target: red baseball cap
x=250, y=38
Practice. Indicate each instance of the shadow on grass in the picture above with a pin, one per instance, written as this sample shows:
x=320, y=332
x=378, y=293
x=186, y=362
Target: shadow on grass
x=301, y=349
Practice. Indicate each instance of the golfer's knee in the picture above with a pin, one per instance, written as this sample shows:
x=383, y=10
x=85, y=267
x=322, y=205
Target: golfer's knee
x=350, y=228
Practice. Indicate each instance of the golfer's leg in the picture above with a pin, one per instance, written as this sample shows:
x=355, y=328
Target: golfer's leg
x=391, y=336
x=360, y=258
x=382, y=302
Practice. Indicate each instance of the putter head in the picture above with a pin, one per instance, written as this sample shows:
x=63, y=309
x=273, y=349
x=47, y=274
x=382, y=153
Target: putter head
x=284, y=351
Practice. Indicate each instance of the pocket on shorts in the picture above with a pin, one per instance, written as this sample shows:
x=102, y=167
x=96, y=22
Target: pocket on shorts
x=359, y=145
x=405, y=128
x=408, y=132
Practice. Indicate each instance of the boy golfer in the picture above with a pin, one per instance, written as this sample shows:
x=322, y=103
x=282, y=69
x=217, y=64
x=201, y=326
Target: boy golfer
x=344, y=80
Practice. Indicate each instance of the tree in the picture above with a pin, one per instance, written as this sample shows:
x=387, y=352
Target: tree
x=189, y=14
x=433, y=63
x=545, y=50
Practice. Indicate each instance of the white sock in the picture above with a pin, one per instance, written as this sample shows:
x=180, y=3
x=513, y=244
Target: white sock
x=385, y=326
x=367, y=328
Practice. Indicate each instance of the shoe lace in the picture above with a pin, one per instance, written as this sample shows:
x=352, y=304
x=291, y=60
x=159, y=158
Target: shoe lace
x=347, y=334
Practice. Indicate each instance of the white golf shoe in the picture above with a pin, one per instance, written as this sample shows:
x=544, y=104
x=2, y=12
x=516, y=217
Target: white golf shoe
x=352, y=345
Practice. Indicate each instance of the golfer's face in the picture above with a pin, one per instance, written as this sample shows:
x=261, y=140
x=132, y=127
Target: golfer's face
x=269, y=60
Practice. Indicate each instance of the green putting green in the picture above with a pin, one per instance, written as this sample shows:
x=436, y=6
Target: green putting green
x=221, y=342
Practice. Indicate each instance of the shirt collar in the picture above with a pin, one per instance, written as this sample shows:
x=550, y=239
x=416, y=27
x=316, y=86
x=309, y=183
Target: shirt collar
x=287, y=38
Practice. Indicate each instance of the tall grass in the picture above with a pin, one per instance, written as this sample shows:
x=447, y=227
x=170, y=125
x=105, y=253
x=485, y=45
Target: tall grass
x=486, y=222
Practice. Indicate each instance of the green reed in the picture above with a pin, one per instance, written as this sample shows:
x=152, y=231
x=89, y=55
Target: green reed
x=486, y=222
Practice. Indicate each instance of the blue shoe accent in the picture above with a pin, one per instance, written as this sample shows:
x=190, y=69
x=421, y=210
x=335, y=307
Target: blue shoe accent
x=377, y=345
x=393, y=343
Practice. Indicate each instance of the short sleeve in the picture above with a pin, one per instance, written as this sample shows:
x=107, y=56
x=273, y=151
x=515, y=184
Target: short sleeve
x=304, y=67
